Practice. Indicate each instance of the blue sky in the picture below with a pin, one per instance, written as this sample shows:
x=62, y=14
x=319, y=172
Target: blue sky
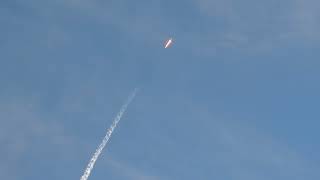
x=235, y=97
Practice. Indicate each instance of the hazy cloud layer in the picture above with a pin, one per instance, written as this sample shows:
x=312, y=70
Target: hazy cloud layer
x=234, y=98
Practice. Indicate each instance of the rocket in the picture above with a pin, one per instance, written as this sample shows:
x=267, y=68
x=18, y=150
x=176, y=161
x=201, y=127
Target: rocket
x=168, y=43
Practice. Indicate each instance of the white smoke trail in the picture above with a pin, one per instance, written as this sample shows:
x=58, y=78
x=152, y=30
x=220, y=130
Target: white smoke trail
x=105, y=140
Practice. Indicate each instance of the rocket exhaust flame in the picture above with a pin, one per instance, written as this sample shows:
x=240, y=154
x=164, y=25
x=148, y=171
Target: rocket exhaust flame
x=105, y=140
x=168, y=43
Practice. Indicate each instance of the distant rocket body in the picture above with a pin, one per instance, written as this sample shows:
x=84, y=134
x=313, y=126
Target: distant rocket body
x=168, y=43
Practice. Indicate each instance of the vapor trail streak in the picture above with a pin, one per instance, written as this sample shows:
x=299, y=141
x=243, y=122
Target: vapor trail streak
x=105, y=140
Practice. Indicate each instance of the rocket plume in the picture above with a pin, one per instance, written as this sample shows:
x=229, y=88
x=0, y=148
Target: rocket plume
x=105, y=140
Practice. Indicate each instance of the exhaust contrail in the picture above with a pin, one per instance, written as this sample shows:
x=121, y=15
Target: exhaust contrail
x=105, y=140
